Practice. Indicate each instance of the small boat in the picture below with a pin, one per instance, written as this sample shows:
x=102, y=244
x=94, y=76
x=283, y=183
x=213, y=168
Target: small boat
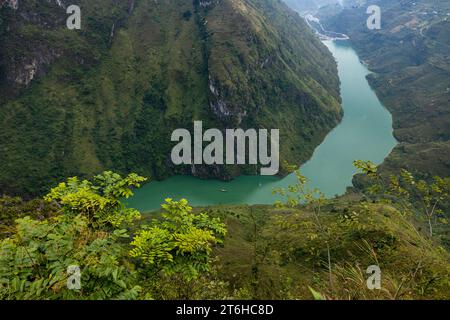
x=223, y=190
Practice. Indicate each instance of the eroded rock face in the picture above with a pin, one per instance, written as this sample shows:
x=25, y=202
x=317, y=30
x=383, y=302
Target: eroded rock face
x=23, y=72
x=60, y=3
x=21, y=67
x=218, y=104
x=26, y=73
x=13, y=4
x=117, y=89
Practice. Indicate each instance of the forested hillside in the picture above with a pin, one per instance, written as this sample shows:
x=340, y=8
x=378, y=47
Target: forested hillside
x=108, y=96
x=87, y=115
x=304, y=247
x=410, y=60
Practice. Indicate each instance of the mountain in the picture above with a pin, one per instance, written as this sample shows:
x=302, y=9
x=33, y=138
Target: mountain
x=108, y=96
x=276, y=253
x=410, y=61
x=309, y=5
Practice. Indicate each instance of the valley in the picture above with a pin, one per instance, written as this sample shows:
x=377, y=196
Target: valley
x=364, y=133
x=113, y=182
x=409, y=59
x=108, y=97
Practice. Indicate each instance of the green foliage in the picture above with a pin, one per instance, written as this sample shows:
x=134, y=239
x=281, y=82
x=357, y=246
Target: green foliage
x=36, y=257
x=91, y=232
x=12, y=209
x=299, y=193
x=180, y=243
x=426, y=200
x=109, y=100
x=99, y=200
x=306, y=248
x=35, y=260
x=289, y=253
x=316, y=295
x=310, y=247
x=405, y=59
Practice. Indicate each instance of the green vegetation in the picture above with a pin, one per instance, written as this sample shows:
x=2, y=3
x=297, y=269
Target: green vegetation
x=306, y=247
x=428, y=201
x=91, y=231
x=108, y=96
x=73, y=103
x=411, y=75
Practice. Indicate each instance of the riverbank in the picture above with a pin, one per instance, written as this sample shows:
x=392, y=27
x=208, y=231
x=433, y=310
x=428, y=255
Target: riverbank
x=411, y=77
x=364, y=133
x=325, y=35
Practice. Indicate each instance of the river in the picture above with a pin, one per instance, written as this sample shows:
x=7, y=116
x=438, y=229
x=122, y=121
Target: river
x=365, y=133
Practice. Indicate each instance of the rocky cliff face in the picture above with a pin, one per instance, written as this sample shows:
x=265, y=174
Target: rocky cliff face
x=109, y=95
x=28, y=31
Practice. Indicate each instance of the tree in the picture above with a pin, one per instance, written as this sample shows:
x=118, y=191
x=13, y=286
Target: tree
x=179, y=245
x=88, y=244
x=98, y=201
x=13, y=208
x=35, y=260
x=411, y=194
x=300, y=194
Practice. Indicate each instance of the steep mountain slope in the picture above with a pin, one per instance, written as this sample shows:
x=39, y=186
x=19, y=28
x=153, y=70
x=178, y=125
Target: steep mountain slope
x=272, y=253
x=109, y=95
x=410, y=58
